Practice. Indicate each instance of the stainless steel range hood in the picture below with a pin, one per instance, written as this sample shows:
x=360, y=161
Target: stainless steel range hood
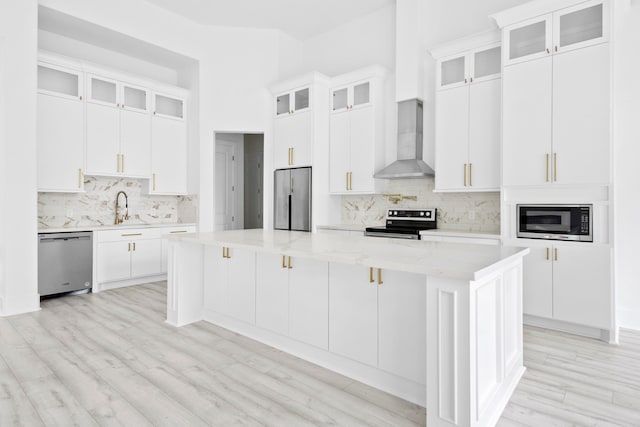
x=409, y=163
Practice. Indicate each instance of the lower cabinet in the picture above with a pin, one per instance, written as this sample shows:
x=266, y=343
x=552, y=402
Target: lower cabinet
x=569, y=283
x=378, y=317
x=128, y=254
x=292, y=297
x=230, y=275
x=165, y=243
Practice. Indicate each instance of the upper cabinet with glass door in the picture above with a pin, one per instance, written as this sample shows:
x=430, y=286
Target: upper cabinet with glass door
x=570, y=28
x=168, y=106
x=351, y=96
x=59, y=81
x=468, y=67
x=293, y=101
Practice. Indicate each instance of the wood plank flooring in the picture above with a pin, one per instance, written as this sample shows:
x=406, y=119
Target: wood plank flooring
x=109, y=359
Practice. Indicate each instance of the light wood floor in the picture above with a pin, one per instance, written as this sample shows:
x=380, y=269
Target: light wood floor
x=109, y=359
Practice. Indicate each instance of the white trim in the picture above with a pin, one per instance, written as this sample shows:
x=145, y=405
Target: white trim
x=530, y=10
x=473, y=41
x=606, y=335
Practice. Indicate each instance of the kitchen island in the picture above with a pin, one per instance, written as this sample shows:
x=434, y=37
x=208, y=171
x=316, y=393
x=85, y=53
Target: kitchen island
x=439, y=324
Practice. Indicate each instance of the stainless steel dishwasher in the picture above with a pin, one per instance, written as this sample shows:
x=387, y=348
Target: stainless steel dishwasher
x=65, y=262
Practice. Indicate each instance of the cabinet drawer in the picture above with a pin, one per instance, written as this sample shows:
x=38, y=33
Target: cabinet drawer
x=128, y=234
x=179, y=230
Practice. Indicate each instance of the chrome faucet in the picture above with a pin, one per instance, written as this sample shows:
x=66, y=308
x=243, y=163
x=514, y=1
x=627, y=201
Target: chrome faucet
x=123, y=218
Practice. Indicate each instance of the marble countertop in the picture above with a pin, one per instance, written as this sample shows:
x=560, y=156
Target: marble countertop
x=111, y=227
x=460, y=233
x=342, y=227
x=453, y=260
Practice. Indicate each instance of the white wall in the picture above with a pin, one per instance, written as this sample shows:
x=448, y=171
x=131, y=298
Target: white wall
x=626, y=155
x=18, y=214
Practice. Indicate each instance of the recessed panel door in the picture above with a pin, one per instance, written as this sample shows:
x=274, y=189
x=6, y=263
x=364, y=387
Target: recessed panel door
x=361, y=150
x=103, y=139
x=452, y=136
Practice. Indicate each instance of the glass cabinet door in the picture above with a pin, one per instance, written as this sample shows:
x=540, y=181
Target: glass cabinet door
x=103, y=90
x=486, y=62
x=282, y=104
x=580, y=26
x=528, y=40
x=169, y=107
x=301, y=99
x=452, y=71
x=59, y=81
x=340, y=99
x=361, y=94
x=134, y=98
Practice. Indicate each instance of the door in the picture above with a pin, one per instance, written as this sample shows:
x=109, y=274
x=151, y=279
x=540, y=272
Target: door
x=339, y=151
x=281, y=199
x=103, y=139
x=114, y=261
x=353, y=313
x=146, y=257
x=361, y=149
x=241, y=290
x=300, y=199
x=60, y=143
x=538, y=282
x=581, y=110
x=225, y=185
x=452, y=138
x=272, y=292
x=253, y=184
x=484, y=134
x=582, y=285
x=309, y=302
x=135, y=143
x=527, y=112
x=168, y=156
x=402, y=325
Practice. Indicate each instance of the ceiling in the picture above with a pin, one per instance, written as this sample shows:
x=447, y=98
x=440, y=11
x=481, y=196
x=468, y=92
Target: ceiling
x=301, y=19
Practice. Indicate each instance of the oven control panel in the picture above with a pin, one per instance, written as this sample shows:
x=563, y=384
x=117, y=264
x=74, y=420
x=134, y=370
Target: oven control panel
x=412, y=214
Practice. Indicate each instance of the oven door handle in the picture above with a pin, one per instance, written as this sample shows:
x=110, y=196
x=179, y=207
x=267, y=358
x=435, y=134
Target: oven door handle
x=394, y=235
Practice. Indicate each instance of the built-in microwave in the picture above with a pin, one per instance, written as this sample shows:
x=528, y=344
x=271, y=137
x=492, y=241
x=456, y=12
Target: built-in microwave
x=555, y=222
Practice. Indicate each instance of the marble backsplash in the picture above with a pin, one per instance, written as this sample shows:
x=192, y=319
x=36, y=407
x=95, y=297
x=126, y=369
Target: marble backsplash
x=478, y=212
x=96, y=206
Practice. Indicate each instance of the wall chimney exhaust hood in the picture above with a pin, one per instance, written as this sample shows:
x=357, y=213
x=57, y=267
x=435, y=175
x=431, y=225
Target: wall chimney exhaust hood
x=409, y=163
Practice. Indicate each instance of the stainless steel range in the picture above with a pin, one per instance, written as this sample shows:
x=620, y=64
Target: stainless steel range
x=405, y=223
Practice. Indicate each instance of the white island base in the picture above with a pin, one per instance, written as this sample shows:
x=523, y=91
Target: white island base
x=438, y=324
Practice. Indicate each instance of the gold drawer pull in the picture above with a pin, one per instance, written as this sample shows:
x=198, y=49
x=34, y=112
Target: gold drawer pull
x=370, y=274
x=131, y=234
x=178, y=231
x=380, y=276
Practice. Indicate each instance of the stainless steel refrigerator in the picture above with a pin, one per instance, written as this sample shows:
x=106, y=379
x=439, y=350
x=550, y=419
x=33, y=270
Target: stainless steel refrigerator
x=292, y=199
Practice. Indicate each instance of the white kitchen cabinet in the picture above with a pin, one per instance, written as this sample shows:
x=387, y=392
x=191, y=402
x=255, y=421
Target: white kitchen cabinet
x=272, y=293
x=128, y=254
x=570, y=283
x=582, y=25
x=309, y=301
x=168, y=146
x=356, y=144
x=468, y=122
x=293, y=128
x=231, y=282
x=402, y=324
x=353, y=313
x=60, y=129
x=118, y=128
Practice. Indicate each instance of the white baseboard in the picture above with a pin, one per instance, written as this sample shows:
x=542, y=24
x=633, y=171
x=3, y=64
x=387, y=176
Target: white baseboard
x=606, y=335
x=130, y=282
x=385, y=381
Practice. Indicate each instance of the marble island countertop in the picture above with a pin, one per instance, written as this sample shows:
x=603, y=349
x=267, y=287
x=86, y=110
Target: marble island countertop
x=460, y=233
x=453, y=260
x=111, y=227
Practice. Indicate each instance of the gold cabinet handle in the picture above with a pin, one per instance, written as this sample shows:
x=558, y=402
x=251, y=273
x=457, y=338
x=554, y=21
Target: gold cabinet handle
x=370, y=274
x=289, y=155
x=154, y=182
x=555, y=167
x=380, y=276
x=555, y=254
x=289, y=263
x=350, y=180
x=470, y=79
x=118, y=160
x=346, y=185
x=131, y=234
x=292, y=155
x=178, y=231
x=556, y=48
x=546, y=162
x=547, y=254
x=224, y=254
x=80, y=178
x=80, y=97
x=129, y=247
x=122, y=163
x=470, y=175
x=548, y=50
x=465, y=80
x=134, y=246
x=283, y=263
x=464, y=169
x=228, y=254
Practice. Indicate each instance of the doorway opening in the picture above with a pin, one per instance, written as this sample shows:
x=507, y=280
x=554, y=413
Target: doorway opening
x=239, y=177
